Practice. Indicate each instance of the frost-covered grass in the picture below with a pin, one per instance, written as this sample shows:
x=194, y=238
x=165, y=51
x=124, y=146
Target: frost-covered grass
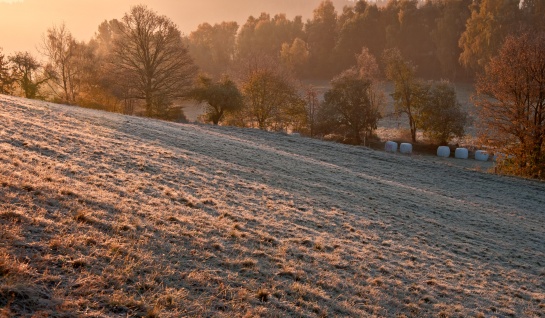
x=108, y=215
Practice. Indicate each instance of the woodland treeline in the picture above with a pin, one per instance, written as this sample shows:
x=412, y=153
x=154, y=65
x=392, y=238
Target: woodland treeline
x=448, y=39
x=250, y=75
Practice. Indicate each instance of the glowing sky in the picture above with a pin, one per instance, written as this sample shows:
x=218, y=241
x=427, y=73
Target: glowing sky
x=23, y=22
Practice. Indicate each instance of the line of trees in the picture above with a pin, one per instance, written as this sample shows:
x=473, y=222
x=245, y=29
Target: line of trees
x=446, y=39
x=443, y=39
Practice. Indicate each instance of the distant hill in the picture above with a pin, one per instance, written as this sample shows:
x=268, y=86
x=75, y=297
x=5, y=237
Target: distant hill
x=105, y=215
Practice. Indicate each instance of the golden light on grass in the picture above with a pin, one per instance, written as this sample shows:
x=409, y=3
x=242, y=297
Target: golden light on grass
x=151, y=228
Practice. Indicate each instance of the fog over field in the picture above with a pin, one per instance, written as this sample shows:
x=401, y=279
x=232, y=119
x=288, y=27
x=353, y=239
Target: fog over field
x=103, y=214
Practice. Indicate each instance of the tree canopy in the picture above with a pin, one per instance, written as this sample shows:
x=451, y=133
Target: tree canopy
x=149, y=50
x=441, y=116
x=6, y=80
x=349, y=108
x=408, y=89
x=511, y=101
x=271, y=101
x=220, y=97
x=214, y=46
x=27, y=71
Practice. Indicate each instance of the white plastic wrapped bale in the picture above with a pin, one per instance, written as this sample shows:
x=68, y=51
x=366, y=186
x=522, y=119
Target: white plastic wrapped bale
x=391, y=146
x=443, y=151
x=406, y=148
x=461, y=153
x=481, y=155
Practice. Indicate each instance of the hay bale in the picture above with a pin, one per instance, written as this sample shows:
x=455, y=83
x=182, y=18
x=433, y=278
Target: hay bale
x=481, y=155
x=391, y=146
x=443, y=151
x=406, y=148
x=461, y=153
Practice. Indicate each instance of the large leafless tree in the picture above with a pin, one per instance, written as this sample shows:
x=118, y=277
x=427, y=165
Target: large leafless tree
x=149, y=50
x=64, y=58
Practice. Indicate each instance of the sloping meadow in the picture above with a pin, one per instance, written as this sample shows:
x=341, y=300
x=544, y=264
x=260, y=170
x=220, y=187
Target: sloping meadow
x=105, y=215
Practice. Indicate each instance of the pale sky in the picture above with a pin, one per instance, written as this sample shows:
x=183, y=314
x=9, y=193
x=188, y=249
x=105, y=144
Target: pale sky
x=23, y=22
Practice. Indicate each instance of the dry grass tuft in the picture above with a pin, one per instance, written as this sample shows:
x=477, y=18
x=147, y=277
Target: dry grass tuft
x=263, y=295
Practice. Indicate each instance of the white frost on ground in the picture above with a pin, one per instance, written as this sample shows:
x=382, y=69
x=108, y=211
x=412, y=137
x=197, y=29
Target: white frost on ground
x=371, y=232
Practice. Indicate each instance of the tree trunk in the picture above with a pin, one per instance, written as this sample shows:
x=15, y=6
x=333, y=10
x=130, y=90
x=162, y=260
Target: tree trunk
x=149, y=104
x=412, y=124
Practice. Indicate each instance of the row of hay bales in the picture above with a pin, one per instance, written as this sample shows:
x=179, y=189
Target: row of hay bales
x=462, y=153
x=442, y=151
x=404, y=148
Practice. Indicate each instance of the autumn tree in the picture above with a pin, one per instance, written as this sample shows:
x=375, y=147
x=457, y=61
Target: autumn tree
x=6, y=79
x=490, y=22
x=441, y=116
x=149, y=50
x=353, y=105
x=219, y=97
x=348, y=107
x=511, y=100
x=271, y=101
x=409, y=92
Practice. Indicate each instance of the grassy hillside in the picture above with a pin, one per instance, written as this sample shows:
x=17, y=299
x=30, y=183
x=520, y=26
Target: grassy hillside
x=108, y=215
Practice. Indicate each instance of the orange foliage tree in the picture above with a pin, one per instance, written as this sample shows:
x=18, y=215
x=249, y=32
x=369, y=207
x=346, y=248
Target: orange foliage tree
x=511, y=100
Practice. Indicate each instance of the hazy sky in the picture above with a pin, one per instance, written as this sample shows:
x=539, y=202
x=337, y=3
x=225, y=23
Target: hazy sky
x=23, y=22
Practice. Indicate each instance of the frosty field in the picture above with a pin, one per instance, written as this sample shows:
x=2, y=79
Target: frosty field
x=105, y=215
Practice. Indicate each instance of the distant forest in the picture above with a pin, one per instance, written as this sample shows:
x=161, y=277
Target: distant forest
x=449, y=39
x=444, y=39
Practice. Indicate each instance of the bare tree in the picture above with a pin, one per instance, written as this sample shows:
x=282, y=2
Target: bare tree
x=63, y=53
x=149, y=50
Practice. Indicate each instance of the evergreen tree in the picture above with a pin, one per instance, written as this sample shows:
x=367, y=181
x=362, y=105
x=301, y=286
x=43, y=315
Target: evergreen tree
x=321, y=38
